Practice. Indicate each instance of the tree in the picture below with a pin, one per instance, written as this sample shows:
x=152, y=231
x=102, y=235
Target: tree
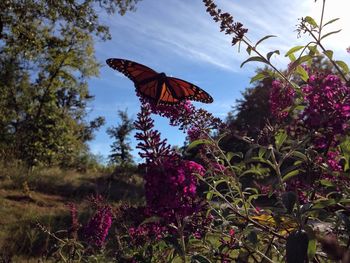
x=46, y=57
x=121, y=146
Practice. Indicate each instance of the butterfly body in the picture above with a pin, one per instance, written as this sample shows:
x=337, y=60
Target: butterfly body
x=158, y=87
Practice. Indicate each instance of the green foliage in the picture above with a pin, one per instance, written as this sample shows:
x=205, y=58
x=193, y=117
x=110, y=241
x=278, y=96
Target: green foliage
x=121, y=150
x=46, y=57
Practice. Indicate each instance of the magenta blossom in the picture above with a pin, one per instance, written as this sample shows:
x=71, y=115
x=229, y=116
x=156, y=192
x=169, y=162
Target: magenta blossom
x=327, y=111
x=281, y=97
x=96, y=231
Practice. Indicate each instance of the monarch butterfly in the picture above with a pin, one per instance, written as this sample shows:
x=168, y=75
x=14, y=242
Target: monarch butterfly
x=157, y=86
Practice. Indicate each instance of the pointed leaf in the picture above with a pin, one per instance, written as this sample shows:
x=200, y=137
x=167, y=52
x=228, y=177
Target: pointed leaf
x=197, y=142
x=302, y=73
x=311, y=247
x=264, y=38
x=271, y=53
x=290, y=175
x=293, y=50
x=280, y=138
x=259, y=59
x=259, y=76
x=330, y=21
x=330, y=33
x=292, y=57
x=329, y=54
x=343, y=66
x=311, y=21
x=249, y=50
x=313, y=50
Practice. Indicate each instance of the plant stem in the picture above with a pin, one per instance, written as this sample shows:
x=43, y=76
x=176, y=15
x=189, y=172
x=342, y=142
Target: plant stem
x=180, y=230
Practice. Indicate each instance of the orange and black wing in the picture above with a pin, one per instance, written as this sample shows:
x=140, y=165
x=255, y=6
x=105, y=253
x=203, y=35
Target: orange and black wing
x=180, y=90
x=138, y=73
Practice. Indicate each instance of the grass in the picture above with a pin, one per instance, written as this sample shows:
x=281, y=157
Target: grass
x=42, y=197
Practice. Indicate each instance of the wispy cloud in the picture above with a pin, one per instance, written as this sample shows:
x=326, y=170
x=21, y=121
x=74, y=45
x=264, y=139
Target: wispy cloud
x=179, y=36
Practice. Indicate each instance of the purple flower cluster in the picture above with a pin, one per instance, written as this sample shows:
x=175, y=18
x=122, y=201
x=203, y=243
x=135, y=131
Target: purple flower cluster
x=327, y=111
x=73, y=231
x=281, y=97
x=171, y=188
x=96, y=231
x=145, y=232
x=227, y=23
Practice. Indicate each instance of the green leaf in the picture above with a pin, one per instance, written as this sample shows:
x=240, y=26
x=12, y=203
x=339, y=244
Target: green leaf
x=313, y=49
x=345, y=147
x=327, y=183
x=199, y=259
x=249, y=50
x=311, y=21
x=196, y=143
x=293, y=50
x=300, y=155
x=153, y=219
x=261, y=152
x=264, y=38
x=230, y=155
x=292, y=57
x=343, y=66
x=319, y=204
x=271, y=53
x=300, y=61
x=330, y=21
x=311, y=247
x=330, y=33
x=302, y=73
x=258, y=76
x=209, y=195
x=280, y=138
x=290, y=175
x=329, y=54
x=256, y=58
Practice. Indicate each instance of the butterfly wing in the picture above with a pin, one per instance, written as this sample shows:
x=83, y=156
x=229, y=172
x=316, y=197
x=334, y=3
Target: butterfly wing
x=181, y=89
x=138, y=73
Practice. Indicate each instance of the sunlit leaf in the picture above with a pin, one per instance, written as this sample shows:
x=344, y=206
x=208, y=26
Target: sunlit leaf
x=293, y=50
x=300, y=61
x=343, y=66
x=197, y=143
x=329, y=54
x=302, y=73
x=313, y=49
x=311, y=21
x=259, y=76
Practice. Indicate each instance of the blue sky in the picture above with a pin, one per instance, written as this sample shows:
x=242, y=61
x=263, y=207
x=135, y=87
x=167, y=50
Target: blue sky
x=179, y=38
